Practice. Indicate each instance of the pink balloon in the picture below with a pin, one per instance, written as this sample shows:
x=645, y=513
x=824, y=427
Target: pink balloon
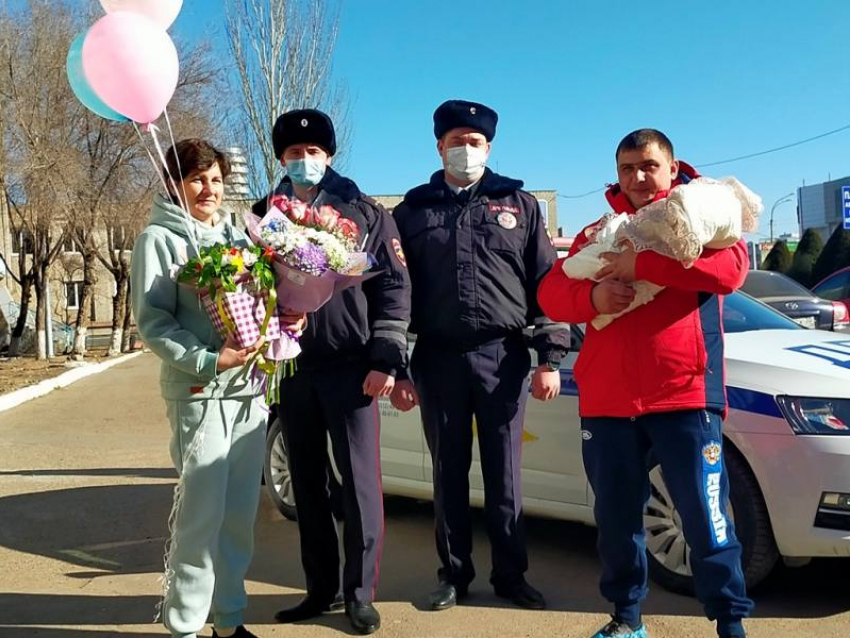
x=131, y=64
x=163, y=12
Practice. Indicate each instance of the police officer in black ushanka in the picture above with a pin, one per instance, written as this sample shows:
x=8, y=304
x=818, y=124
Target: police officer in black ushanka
x=476, y=247
x=352, y=349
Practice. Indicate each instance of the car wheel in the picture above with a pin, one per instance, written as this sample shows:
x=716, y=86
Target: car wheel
x=668, y=554
x=276, y=472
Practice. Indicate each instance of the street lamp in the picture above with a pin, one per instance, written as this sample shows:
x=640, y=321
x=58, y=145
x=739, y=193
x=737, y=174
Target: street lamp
x=784, y=198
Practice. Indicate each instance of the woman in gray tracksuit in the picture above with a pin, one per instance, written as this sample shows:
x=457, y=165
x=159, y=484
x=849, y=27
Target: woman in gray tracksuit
x=218, y=426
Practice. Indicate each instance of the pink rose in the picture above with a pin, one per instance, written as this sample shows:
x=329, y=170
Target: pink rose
x=309, y=216
x=281, y=202
x=297, y=211
x=327, y=217
x=348, y=228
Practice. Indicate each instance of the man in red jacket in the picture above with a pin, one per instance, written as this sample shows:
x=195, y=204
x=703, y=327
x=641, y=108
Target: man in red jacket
x=651, y=386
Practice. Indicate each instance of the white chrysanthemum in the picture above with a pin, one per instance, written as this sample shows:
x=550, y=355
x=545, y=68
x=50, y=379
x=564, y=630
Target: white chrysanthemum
x=334, y=249
x=290, y=237
x=248, y=258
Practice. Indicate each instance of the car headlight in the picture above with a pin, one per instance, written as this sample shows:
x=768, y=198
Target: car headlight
x=815, y=415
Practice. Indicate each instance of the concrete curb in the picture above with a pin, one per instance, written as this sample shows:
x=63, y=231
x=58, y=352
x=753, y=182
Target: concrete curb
x=12, y=399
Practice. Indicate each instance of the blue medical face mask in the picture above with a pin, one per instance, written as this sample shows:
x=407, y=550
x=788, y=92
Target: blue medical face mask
x=305, y=172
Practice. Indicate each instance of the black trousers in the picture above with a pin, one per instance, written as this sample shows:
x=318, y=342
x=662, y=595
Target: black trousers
x=313, y=405
x=489, y=383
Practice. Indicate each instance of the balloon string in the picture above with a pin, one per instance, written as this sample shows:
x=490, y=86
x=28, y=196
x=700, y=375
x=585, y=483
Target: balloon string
x=186, y=218
x=150, y=155
x=176, y=156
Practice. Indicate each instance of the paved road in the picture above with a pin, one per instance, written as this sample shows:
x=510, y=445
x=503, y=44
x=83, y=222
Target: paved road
x=85, y=488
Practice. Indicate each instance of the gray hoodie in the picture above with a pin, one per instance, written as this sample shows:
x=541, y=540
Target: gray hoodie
x=170, y=317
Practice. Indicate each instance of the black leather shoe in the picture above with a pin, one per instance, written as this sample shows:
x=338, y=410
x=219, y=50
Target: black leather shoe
x=241, y=632
x=523, y=595
x=363, y=616
x=446, y=596
x=310, y=607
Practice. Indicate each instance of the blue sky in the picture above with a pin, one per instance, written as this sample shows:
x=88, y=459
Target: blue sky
x=569, y=78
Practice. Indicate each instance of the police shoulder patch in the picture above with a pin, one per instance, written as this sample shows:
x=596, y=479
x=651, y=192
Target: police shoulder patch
x=399, y=253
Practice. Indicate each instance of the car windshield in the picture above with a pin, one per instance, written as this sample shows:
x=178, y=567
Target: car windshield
x=762, y=284
x=742, y=313
x=833, y=288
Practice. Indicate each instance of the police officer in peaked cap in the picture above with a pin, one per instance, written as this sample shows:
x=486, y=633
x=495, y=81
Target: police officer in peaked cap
x=352, y=349
x=476, y=248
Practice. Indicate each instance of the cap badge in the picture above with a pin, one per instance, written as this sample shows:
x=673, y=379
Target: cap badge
x=472, y=110
x=304, y=122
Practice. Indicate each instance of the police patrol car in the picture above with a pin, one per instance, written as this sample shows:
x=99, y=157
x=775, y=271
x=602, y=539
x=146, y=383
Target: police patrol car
x=787, y=446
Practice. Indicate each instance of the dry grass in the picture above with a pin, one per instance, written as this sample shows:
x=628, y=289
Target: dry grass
x=20, y=372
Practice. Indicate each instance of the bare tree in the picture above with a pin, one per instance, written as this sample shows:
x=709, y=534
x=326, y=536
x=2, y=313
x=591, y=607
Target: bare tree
x=21, y=273
x=282, y=50
x=125, y=329
x=39, y=160
x=121, y=230
x=65, y=171
x=110, y=154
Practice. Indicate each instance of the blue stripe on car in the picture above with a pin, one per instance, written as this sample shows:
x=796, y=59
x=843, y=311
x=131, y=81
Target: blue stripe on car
x=739, y=398
x=752, y=401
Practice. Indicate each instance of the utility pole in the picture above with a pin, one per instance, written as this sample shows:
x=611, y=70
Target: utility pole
x=781, y=200
x=48, y=328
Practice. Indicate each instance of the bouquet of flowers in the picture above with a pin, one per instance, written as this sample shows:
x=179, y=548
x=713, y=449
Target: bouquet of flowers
x=237, y=287
x=315, y=252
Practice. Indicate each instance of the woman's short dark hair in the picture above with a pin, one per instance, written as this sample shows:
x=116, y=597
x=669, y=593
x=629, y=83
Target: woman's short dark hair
x=641, y=138
x=194, y=154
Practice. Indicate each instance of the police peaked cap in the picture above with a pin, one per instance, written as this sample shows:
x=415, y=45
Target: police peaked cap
x=303, y=126
x=462, y=114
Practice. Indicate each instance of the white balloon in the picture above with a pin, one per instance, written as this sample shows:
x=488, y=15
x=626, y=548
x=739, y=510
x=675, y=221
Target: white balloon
x=163, y=12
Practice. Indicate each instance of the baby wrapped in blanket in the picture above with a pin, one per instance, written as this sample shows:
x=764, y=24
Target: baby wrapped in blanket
x=704, y=213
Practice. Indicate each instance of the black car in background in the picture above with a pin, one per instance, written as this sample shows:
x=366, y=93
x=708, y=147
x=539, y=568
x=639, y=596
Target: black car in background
x=792, y=299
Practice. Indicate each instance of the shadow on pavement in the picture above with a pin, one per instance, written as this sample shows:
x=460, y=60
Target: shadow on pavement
x=118, y=530
x=114, y=528
x=62, y=609
x=40, y=632
x=135, y=472
x=67, y=610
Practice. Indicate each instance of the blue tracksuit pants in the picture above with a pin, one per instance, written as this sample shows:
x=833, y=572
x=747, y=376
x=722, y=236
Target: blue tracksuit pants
x=688, y=447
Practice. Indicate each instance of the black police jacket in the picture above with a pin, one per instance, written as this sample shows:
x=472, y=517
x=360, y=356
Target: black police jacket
x=475, y=267
x=368, y=321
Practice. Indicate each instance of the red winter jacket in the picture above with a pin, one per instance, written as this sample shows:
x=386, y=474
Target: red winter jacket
x=663, y=356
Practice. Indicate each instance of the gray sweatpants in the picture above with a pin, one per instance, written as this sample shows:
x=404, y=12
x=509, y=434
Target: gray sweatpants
x=217, y=446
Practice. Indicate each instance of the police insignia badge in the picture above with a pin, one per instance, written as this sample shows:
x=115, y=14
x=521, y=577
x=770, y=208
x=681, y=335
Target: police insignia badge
x=506, y=221
x=711, y=453
x=399, y=253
